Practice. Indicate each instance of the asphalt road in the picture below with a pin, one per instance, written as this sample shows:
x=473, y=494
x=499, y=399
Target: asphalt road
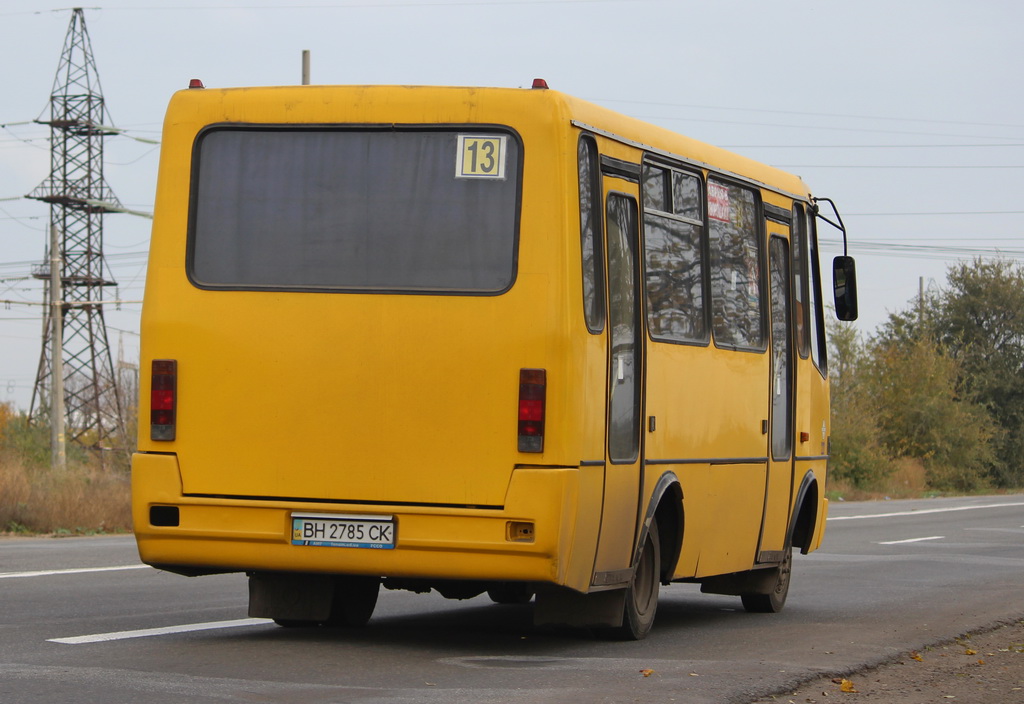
x=82, y=621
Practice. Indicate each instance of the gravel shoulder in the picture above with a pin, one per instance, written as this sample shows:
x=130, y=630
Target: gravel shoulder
x=986, y=665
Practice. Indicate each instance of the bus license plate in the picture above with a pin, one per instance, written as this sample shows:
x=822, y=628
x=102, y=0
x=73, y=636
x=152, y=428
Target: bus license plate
x=337, y=531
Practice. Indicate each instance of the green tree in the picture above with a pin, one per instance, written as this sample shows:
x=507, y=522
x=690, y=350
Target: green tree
x=857, y=453
x=922, y=413
x=980, y=319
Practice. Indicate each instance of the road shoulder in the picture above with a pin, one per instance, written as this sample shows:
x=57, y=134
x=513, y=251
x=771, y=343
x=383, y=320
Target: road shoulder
x=982, y=665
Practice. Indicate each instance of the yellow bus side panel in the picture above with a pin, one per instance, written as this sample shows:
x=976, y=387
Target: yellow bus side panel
x=812, y=418
x=819, y=532
x=728, y=521
x=708, y=404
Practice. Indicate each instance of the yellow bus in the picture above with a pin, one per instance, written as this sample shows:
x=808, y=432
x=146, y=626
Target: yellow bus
x=476, y=340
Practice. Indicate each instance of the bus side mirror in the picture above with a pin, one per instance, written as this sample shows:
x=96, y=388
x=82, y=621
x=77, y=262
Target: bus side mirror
x=844, y=286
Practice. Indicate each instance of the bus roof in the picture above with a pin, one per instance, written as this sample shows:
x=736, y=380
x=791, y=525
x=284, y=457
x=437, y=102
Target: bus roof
x=277, y=104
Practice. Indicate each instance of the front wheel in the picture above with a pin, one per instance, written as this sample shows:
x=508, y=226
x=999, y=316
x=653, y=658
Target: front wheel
x=772, y=601
x=642, y=592
x=295, y=623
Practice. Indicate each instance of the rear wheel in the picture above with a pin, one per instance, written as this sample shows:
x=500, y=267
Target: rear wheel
x=772, y=601
x=354, y=600
x=511, y=593
x=642, y=592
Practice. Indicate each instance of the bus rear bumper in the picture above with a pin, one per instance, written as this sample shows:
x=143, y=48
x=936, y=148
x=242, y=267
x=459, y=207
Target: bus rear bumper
x=216, y=534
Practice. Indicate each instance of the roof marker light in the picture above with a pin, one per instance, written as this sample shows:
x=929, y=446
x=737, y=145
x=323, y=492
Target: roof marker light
x=540, y=83
x=195, y=83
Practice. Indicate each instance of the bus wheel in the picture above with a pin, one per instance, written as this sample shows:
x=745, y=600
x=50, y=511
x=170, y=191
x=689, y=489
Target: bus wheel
x=773, y=601
x=510, y=593
x=294, y=623
x=354, y=600
x=642, y=592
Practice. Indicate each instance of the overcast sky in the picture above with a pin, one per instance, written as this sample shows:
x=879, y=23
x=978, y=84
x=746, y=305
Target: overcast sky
x=908, y=113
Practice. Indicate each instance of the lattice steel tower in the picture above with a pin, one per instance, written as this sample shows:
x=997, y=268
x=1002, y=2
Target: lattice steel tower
x=78, y=198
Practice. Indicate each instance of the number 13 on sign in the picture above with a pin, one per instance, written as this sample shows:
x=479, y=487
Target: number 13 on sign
x=480, y=156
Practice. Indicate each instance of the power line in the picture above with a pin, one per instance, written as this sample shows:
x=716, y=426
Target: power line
x=339, y=6
x=881, y=118
x=860, y=130
x=868, y=146
x=898, y=166
x=947, y=212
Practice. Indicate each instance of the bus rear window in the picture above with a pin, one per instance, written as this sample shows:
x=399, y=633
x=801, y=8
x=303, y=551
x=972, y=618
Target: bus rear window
x=395, y=210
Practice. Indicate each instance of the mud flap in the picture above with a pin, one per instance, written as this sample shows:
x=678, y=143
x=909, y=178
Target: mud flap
x=290, y=597
x=760, y=581
x=558, y=606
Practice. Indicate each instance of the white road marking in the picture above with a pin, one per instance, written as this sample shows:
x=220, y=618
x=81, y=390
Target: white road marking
x=167, y=630
x=80, y=570
x=923, y=511
x=912, y=540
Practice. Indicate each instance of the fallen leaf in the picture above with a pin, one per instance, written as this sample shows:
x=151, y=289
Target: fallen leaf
x=970, y=652
x=847, y=686
x=914, y=655
x=694, y=674
x=981, y=662
x=646, y=673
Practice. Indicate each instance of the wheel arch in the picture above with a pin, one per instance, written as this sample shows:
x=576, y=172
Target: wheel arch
x=666, y=508
x=803, y=524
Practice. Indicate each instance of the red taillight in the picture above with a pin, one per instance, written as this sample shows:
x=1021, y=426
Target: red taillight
x=163, y=399
x=532, y=394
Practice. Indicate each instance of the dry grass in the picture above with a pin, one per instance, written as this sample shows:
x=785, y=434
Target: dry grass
x=85, y=498
x=81, y=499
x=908, y=480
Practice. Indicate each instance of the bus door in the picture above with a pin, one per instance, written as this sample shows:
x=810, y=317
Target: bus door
x=778, y=498
x=625, y=381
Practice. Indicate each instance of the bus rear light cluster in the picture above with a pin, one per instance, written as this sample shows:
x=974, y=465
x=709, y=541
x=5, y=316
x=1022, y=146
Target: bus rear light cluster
x=532, y=395
x=163, y=400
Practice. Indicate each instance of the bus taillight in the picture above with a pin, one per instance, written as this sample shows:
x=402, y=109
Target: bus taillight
x=532, y=394
x=163, y=400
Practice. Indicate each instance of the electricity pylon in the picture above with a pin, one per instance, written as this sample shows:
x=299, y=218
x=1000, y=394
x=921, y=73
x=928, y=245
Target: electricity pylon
x=78, y=198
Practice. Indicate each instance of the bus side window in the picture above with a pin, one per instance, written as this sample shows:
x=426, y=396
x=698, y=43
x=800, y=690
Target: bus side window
x=674, y=251
x=735, y=235
x=590, y=234
x=817, y=331
x=801, y=312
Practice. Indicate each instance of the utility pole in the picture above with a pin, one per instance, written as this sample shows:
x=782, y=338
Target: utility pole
x=920, y=301
x=57, y=446
x=76, y=353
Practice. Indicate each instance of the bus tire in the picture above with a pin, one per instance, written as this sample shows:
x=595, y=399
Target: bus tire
x=354, y=600
x=642, y=592
x=511, y=593
x=295, y=623
x=772, y=601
